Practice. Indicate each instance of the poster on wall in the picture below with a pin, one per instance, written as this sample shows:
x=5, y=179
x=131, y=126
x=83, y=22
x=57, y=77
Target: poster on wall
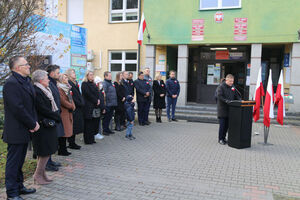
x=198, y=29
x=66, y=44
x=240, y=29
x=213, y=74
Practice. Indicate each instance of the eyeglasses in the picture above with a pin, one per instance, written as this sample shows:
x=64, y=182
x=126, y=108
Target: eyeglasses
x=27, y=64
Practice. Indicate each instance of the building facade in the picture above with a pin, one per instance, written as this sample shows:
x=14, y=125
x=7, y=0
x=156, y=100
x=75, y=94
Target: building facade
x=204, y=40
x=112, y=29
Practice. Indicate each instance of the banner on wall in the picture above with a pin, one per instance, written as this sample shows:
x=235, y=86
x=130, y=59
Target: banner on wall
x=66, y=44
x=240, y=29
x=198, y=29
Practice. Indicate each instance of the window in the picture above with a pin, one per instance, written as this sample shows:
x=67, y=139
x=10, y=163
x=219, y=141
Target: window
x=124, y=11
x=51, y=9
x=75, y=11
x=122, y=61
x=220, y=4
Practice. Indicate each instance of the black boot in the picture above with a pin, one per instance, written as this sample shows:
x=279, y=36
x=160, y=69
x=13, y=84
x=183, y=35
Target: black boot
x=62, y=149
x=118, y=123
x=159, y=115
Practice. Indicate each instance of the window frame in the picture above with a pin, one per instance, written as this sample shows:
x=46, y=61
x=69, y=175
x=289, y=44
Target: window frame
x=123, y=11
x=220, y=7
x=123, y=62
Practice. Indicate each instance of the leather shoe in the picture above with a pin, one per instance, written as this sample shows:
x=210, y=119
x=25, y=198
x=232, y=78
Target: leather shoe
x=74, y=146
x=111, y=132
x=51, y=168
x=25, y=190
x=15, y=198
x=56, y=164
x=105, y=133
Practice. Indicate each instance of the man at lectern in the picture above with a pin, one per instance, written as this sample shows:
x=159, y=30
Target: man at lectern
x=226, y=93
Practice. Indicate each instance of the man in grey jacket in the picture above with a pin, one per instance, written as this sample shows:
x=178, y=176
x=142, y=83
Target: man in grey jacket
x=149, y=79
x=111, y=102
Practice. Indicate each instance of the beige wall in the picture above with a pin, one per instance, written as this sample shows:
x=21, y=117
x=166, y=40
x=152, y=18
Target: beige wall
x=103, y=36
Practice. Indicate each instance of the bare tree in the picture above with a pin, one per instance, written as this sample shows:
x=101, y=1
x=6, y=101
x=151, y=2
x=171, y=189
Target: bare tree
x=19, y=24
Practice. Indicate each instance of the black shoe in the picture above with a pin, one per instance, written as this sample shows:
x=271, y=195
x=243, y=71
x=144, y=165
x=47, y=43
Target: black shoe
x=15, y=198
x=174, y=120
x=157, y=119
x=111, y=132
x=170, y=120
x=51, y=168
x=147, y=123
x=105, y=133
x=141, y=124
x=222, y=142
x=74, y=146
x=25, y=190
x=225, y=141
x=56, y=164
x=128, y=137
x=94, y=142
x=132, y=137
x=64, y=153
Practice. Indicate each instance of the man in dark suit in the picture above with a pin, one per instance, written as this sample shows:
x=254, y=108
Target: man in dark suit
x=143, y=91
x=131, y=83
x=53, y=74
x=20, y=121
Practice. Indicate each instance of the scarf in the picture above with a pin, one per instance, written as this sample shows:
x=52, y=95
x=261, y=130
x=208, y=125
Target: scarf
x=66, y=88
x=48, y=93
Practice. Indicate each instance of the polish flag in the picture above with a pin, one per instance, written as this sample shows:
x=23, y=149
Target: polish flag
x=279, y=100
x=141, y=30
x=259, y=92
x=269, y=106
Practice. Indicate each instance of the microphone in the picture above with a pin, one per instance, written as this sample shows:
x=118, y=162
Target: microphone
x=233, y=87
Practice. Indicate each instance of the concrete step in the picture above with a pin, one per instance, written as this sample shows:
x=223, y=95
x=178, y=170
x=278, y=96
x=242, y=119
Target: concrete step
x=211, y=117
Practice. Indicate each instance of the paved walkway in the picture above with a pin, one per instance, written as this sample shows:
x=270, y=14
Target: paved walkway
x=173, y=161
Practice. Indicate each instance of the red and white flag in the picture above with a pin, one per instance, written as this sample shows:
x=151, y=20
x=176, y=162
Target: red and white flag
x=259, y=92
x=279, y=100
x=269, y=105
x=141, y=30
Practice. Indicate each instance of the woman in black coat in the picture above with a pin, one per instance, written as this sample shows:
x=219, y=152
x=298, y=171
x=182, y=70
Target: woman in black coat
x=121, y=95
x=159, y=101
x=92, y=108
x=78, y=120
x=45, y=140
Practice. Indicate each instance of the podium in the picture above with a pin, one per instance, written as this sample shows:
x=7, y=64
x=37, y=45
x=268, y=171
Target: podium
x=240, y=124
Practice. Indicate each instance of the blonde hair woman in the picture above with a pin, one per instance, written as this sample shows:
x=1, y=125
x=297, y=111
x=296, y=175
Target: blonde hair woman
x=159, y=101
x=92, y=108
x=121, y=96
x=67, y=108
x=78, y=120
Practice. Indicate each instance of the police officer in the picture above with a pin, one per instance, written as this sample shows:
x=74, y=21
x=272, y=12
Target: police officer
x=173, y=90
x=131, y=83
x=148, y=78
x=226, y=92
x=143, y=91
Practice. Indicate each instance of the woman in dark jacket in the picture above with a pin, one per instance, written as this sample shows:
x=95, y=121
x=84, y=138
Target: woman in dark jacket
x=92, y=108
x=78, y=120
x=159, y=101
x=45, y=139
x=121, y=95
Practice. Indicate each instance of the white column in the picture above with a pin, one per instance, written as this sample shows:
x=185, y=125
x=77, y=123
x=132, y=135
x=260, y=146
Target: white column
x=182, y=73
x=150, y=59
x=295, y=81
x=256, y=53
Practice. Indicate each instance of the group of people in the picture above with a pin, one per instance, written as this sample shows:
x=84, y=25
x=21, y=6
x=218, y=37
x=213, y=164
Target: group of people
x=50, y=109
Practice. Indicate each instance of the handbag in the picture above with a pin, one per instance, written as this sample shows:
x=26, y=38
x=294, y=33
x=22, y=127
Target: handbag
x=48, y=123
x=96, y=113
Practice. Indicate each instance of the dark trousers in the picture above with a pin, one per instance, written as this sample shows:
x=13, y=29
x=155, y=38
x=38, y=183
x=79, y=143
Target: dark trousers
x=223, y=121
x=171, y=102
x=107, y=118
x=71, y=140
x=62, y=144
x=147, y=111
x=142, y=112
x=91, y=128
x=16, y=154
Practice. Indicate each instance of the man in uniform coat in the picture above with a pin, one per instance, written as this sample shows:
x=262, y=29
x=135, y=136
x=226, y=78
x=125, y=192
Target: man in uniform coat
x=173, y=90
x=143, y=91
x=20, y=121
x=149, y=79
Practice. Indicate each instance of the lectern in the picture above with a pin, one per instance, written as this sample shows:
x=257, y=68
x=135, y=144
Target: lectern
x=240, y=124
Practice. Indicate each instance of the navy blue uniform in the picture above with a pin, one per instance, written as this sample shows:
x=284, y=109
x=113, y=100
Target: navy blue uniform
x=142, y=87
x=173, y=88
